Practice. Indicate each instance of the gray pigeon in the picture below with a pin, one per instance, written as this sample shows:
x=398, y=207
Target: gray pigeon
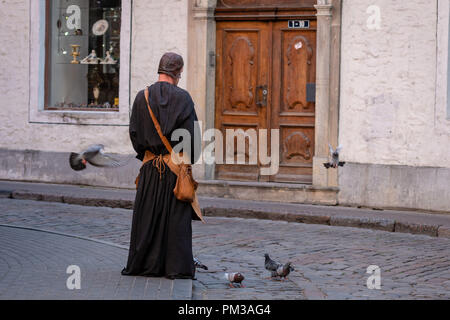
x=199, y=265
x=271, y=265
x=95, y=156
x=277, y=269
x=334, y=163
x=283, y=271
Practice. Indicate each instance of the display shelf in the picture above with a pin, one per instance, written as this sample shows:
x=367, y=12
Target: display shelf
x=115, y=109
x=85, y=64
x=62, y=35
x=112, y=37
x=104, y=9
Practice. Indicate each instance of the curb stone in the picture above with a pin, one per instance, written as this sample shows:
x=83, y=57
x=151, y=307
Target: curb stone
x=388, y=225
x=308, y=219
x=5, y=194
x=444, y=232
x=413, y=228
x=19, y=195
x=96, y=202
x=365, y=223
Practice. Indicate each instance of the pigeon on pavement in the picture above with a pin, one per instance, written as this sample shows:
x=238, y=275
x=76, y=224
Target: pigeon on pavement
x=271, y=265
x=93, y=155
x=283, y=271
x=199, y=265
x=235, y=278
x=277, y=269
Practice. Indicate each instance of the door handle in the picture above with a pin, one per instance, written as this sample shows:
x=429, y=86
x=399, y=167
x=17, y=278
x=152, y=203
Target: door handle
x=261, y=95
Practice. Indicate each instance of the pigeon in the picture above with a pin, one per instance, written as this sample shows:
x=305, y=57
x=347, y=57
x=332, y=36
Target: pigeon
x=277, y=269
x=93, y=155
x=283, y=271
x=334, y=163
x=236, y=278
x=199, y=265
x=270, y=265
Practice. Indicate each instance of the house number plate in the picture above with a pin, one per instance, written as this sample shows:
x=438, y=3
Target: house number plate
x=298, y=24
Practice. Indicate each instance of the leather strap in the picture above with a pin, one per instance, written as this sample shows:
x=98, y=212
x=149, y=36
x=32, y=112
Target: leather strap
x=156, y=123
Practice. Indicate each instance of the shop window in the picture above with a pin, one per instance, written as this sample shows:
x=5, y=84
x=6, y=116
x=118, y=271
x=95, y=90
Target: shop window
x=83, y=55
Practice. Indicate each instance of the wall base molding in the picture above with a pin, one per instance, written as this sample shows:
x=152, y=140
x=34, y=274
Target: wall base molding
x=395, y=187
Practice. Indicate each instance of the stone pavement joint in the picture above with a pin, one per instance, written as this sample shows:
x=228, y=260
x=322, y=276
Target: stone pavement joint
x=435, y=225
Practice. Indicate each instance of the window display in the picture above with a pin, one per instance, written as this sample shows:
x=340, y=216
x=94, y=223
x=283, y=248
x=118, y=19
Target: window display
x=83, y=54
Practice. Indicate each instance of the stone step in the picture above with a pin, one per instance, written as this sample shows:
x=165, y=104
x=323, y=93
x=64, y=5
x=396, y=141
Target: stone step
x=268, y=191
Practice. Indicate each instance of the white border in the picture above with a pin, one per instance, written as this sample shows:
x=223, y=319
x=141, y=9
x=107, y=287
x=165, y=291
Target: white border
x=37, y=114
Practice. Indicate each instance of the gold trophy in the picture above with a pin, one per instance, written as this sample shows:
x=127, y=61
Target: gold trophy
x=75, y=53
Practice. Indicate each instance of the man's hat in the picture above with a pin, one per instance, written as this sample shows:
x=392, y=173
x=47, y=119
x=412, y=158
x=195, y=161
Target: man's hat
x=171, y=64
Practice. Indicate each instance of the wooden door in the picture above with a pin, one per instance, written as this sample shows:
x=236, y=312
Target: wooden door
x=293, y=106
x=265, y=80
x=243, y=67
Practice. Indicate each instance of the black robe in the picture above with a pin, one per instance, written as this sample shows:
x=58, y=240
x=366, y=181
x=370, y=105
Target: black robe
x=161, y=234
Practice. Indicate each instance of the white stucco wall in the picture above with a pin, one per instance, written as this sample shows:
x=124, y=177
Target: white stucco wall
x=392, y=111
x=157, y=26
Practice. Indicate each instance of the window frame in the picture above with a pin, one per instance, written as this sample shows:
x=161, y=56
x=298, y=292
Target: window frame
x=39, y=111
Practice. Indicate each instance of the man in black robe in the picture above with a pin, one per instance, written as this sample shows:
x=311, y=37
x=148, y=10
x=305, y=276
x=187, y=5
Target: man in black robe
x=161, y=234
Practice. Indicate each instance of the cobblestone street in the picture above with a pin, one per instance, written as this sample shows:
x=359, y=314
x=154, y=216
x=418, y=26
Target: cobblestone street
x=330, y=262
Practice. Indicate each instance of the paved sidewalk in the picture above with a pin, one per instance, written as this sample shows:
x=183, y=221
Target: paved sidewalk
x=33, y=266
x=330, y=262
x=436, y=225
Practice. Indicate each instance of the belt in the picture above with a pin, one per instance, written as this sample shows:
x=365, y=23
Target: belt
x=159, y=162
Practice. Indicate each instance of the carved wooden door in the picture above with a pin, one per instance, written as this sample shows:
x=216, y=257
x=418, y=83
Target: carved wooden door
x=265, y=80
x=243, y=65
x=293, y=106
